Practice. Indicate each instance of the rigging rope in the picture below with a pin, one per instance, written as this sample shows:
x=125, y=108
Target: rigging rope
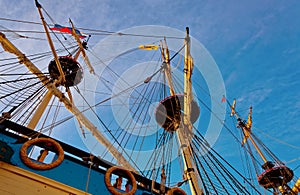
x=92, y=31
x=277, y=140
x=199, y=139
x=137, y=112
x=208, y=167
x=20, y=21
x=109, y=131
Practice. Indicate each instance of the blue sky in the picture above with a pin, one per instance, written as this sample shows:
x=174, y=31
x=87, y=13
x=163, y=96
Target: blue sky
x=256, y=45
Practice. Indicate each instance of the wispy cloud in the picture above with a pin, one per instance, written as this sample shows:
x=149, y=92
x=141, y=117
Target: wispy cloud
x=250, y=42
x=255, y=97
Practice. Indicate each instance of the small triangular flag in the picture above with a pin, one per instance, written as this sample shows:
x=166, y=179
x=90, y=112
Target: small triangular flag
x=223, y=99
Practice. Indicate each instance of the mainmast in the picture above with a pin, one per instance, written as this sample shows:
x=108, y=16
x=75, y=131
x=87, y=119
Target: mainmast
x=177, y=113
x=184, y=133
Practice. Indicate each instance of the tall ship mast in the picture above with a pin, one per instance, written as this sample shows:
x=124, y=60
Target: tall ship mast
x=276, y=175
x=140, y=107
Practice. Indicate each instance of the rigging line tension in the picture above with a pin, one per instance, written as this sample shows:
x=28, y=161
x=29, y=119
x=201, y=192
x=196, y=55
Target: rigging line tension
x=20, y=21
x=96, y=31
x=109, y=131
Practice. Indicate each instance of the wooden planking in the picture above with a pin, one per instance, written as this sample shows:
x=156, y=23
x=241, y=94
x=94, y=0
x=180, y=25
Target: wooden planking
x=17, y=181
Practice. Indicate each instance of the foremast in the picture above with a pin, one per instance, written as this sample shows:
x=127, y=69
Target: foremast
x=53, y=90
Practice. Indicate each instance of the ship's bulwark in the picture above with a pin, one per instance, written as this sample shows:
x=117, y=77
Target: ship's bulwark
x=72, y=176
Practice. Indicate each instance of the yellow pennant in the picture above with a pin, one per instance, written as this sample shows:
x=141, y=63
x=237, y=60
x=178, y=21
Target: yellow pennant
x=148, y=47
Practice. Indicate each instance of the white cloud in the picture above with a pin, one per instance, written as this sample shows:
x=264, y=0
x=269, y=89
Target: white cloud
x=254, y=97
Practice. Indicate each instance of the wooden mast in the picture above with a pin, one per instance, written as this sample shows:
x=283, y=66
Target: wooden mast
x=52, y=89
x=184, y=133
x=246, y=128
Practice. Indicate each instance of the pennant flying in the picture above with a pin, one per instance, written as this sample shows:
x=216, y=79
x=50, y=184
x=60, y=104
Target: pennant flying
x=64, y=29
x=223, y=99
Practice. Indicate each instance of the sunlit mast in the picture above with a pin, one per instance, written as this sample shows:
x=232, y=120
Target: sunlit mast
x=53, y=90
x=274, y=176
x=184, y=132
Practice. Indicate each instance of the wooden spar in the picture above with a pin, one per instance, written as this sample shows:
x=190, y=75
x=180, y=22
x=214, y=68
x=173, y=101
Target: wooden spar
x=40, y=110
x=246, y=128
x=9, y=47
x=167, y=68
x=62, y=78
x=184, y=133
x=81, y=50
